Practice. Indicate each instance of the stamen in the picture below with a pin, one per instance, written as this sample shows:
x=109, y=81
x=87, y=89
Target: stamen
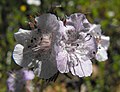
x=36, y=48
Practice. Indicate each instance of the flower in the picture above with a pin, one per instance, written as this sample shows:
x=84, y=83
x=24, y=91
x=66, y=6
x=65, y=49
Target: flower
x=64, y=46
x=28, y=75
x=77, y=45
x=34, y=2
x=23, y=8
x=17, y=80
x=110, y=14
x=35, y=47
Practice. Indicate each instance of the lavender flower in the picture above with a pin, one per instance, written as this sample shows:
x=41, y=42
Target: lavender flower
x=77, y=45
x=35, y=47
x=17, y=80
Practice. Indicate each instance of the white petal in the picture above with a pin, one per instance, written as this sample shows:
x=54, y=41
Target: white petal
x=46, y=65
x=105, y=41
x=91, y=46
x=47, y=22
x=22, y=60
x=83, y=69
x=24, y=36
x=62, y=31
x=76, y=20
x=45, y=69
x=48, y=68
x=62, y=59
x=85, y=21
x=95, y=30
x=87, y=67
x=101, y=55
x=18, y=54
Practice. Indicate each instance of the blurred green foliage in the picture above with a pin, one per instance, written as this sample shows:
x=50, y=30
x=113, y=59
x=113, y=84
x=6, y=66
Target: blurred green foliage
x=14, y=13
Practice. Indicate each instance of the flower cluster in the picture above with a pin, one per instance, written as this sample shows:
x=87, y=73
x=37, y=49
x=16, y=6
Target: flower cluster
x=18, y=80
x=64, y=46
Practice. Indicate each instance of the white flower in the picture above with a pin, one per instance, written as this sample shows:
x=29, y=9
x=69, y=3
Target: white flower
x=34, y=2
x=111, y=14
x=77, y=43
x=75, y=47
x=35, y=48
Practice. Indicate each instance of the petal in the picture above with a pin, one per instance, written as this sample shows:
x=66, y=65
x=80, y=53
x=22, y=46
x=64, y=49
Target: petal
x=22, y=58
x=83, y=69
x=28, y=75
x=45, y=69
x=47, y=22
x=62, y=59
x=45, y=65
x=105, y=41
x=48, y=68
x=18, y=54
x=86, y=65
x=11, y=84
x=101, y=55
x=91, y=46
x=95, y=30
x=24, y=36
x=79, y=21
x=62, y=31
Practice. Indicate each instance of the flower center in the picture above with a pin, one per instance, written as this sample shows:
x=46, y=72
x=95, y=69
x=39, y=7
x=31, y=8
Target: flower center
x=44, y=43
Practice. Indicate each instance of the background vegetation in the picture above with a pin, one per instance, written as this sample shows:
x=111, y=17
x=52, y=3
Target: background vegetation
x=106, y=75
